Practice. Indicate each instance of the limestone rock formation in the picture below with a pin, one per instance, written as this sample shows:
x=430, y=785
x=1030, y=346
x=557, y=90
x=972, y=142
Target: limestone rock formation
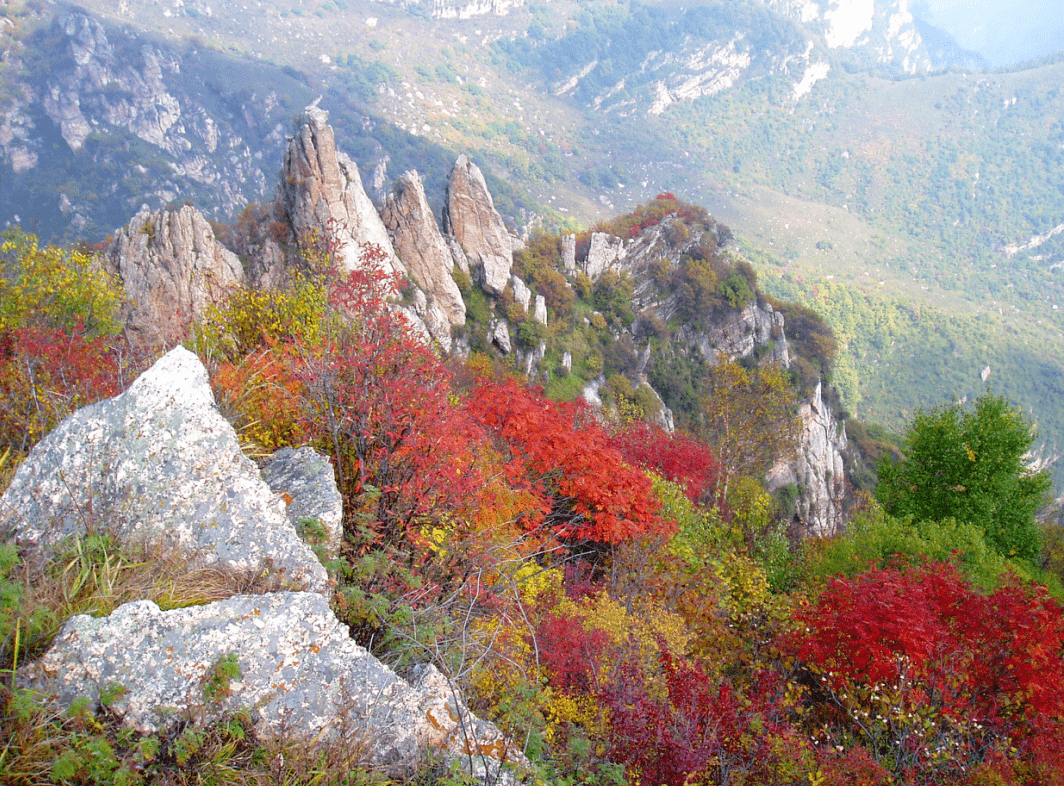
x=300, y=675
x=469, y=215
x=113, y=82
x=499, y=335
x=173, y=269
x=158, y=463
x=569, y=253
x=422, y=247
x=817, y=469
x=323, y=197
x=539, y=311
x=738, y=333
x=306, y=482
x=522, y=294
x=605, y=250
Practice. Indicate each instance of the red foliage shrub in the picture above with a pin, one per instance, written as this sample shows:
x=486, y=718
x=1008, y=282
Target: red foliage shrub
x=48, y=372
x=559, y=451
x=569, y=653
x=701, y=729
x=381, y=404
x=933, y=676
x=676, y=457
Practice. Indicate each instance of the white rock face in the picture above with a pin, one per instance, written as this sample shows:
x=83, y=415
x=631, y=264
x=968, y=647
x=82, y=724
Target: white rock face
x=604, y=251
x=540, y=311
x=847, y=19
x=569, y=253
x=817, y=468
x=455, y=9
x=499, y=335
x=305, y=480
x=522, y=294
x=736, y=334
x=814, y=72
x=469, y=215
x=172, y=269
x=300, y=674
x=158, y=462
x=707, y=72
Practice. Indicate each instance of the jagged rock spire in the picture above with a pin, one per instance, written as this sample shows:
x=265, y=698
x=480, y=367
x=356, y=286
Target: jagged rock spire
x=423, y=249
x=469, y=214
x=322, y=193
x=173, y=269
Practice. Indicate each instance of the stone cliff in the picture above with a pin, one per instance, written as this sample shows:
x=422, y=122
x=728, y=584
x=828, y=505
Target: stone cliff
x=422, y=247
x=469, y=215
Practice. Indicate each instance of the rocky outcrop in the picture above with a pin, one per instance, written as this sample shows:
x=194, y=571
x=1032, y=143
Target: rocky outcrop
x=569, y=253
x=300, y=676
x=522, y=294
x=422, y=247
x=739, y=333
x=604, y=251
x=321, y=191
x=97, y=84
x=172, y=269
x=499, y=335
x=539, y=310
x=469, y=215
x=158, y=463
x=456, y=9
x=817, y=469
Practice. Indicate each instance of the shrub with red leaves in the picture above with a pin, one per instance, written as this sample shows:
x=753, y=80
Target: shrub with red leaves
x=933, y=677
x=560, y=452
x=676, y=457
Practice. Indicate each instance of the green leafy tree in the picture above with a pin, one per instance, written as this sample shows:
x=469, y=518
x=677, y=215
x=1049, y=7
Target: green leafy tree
x=969, y=465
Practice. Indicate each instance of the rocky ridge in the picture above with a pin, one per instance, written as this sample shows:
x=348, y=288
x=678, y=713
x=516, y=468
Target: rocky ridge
x=159, y=463
x=319, y=199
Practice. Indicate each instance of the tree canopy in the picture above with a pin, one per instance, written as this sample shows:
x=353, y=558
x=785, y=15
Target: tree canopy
x=969, y=465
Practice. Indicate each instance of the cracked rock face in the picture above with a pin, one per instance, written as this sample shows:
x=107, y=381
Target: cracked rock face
x=306, y=482
x=817, y=468
x=158, y=462
x=422, y=247
x=300, y=675
x=469, y=214
x=172, y=269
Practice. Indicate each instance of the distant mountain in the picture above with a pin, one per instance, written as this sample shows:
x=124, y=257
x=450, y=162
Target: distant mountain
x=1004, y=32
x=946, y=53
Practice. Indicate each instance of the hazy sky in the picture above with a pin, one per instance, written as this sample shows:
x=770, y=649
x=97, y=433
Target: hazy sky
x=1003, y=31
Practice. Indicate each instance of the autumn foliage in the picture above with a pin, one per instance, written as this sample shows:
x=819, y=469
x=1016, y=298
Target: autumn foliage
x=584, y=583
x=932, y=676
x=566, y=457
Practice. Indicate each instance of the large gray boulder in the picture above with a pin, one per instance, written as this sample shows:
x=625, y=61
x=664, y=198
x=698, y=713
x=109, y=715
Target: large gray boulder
x=422, y=247
x=469, y=214
x=158, y=463
x=173, y=269
x=300, y=675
